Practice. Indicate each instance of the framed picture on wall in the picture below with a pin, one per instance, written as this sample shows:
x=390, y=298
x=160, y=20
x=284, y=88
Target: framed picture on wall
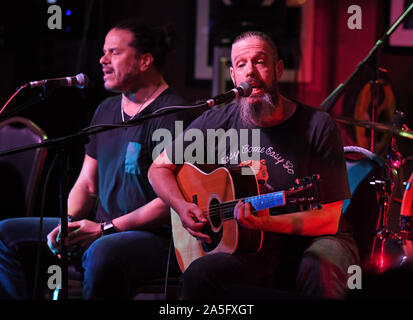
x=217, y=21
x=403, y=35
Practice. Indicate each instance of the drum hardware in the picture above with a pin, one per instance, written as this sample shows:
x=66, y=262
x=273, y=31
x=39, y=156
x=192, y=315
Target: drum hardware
x=385, y=189
x=387, y=128
x=385, y=186
x=406, y=219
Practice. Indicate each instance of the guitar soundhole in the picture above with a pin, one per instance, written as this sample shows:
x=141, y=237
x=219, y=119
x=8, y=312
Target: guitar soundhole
x=213, y=228
x=215, y=214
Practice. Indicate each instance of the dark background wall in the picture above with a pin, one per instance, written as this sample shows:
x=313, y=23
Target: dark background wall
x=30, y=51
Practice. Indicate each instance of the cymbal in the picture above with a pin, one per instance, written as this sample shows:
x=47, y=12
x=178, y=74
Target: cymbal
x=376, y=126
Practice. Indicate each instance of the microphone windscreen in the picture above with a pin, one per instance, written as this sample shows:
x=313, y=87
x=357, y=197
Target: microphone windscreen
x=246, y=89
x=82, y=80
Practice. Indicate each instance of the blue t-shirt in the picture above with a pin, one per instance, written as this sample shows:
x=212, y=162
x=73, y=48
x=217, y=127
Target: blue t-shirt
x=124, y=155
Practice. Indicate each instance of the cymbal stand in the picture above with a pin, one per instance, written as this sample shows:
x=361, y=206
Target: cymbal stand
x=385, y=188
x=374, y=95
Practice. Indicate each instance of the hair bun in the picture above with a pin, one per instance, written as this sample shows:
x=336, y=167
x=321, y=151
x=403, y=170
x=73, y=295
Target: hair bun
x=155, y=40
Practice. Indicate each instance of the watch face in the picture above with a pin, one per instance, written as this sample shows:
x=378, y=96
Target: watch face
x=108, y=228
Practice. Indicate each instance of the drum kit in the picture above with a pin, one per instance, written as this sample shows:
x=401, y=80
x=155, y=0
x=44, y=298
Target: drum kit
x=384, y=189
x=390, y=164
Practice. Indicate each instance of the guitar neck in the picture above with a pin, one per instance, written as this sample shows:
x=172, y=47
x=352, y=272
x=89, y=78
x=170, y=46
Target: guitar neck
x=260, y=202
x=268, y=200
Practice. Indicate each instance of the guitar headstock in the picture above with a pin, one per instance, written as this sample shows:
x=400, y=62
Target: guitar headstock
x=306, y=180
x=304, y=193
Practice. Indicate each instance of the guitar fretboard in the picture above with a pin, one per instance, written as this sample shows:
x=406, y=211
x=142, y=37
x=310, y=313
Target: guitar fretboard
x=265, y=201
x=260, y=202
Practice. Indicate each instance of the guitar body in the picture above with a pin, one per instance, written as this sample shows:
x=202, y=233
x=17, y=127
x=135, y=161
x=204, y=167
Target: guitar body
x=208, y=190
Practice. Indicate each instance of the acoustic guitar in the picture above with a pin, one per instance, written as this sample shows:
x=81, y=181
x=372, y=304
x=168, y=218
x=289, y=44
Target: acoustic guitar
x=217, y=193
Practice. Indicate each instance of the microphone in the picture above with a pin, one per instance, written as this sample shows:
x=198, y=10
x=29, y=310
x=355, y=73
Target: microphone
x=81, y=80
x=243, y=90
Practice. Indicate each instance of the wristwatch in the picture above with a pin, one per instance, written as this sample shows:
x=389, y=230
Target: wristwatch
x=107, y=227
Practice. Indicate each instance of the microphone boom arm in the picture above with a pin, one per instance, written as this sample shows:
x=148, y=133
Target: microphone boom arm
x=328, y=103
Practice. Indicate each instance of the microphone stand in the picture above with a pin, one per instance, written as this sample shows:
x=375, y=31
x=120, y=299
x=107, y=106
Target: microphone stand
x=371, y=58
x=63, y=145
x=62, y=154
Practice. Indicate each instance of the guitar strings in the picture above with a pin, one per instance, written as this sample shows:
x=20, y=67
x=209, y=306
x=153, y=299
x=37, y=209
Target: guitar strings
x=264, y=196
x=217, y=209
x=233, y=202
x=226, y=208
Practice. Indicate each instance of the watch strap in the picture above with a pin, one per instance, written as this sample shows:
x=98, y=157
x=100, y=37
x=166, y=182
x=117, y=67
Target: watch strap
x=107, y=227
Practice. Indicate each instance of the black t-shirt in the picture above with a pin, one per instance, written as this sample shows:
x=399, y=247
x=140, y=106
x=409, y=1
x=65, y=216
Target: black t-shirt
x=307, y=143
x=124, y=155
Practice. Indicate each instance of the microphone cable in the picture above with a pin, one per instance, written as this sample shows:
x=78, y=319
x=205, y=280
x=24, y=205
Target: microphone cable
x=12, y=97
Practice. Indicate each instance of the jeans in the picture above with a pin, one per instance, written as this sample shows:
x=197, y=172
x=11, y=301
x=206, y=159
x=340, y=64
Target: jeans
x=114, y=265
x=317, y=272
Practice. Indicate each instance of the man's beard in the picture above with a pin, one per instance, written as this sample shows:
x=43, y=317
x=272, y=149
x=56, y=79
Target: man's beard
x=130, y=82
x=255, y=112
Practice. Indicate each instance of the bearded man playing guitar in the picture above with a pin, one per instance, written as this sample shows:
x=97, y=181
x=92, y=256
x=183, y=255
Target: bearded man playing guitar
x=303, y=251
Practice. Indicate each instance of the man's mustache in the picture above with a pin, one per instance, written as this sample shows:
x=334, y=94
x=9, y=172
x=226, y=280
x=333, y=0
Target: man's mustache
x=254, y=82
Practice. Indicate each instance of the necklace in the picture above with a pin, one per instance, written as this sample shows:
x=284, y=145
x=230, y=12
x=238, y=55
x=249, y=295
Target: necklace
x=142, y=105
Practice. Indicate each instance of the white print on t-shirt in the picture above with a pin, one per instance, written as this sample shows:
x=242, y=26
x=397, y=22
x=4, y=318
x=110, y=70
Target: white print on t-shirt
x=269, y=151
